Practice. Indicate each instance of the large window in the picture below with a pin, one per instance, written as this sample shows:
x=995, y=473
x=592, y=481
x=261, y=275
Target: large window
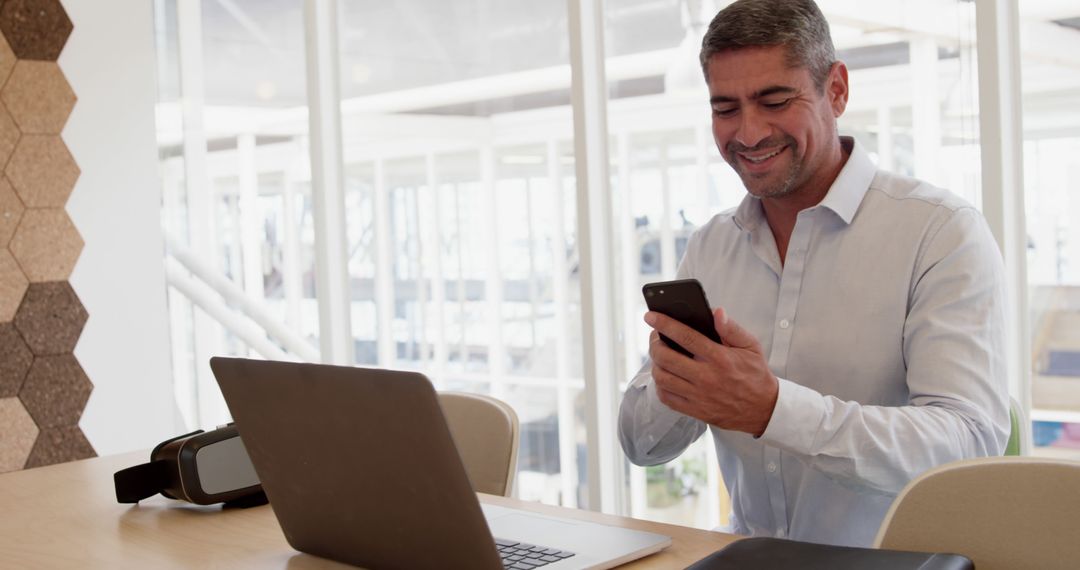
x=462, y=231
x=460, y=196
x=232, y=134
x=1051, y=87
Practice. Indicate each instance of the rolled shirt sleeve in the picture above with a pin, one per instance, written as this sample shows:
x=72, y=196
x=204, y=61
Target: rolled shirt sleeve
x=650, y=432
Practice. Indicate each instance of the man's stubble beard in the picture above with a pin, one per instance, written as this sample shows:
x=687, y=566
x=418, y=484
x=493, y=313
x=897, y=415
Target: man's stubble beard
x=785, y=186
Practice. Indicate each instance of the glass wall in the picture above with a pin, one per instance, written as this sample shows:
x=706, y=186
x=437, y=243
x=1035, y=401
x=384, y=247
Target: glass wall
x=232, y=136
x=462, y=230
x=460, y=195
x=1051, y=89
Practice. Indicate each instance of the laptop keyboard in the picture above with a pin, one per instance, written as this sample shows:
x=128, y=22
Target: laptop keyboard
x=521, y=556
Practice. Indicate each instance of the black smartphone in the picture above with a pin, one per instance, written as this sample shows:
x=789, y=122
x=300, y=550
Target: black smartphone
x=683, y=300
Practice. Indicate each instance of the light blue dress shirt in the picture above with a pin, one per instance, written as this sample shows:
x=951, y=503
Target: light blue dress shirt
x=886, y=327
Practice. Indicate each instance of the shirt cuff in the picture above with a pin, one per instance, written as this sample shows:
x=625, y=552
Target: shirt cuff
x=796, y=419
x=660, y=418
x=651, y=419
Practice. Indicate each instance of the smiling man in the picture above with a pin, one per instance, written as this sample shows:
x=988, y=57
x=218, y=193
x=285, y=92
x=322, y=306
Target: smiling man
x=863, y=312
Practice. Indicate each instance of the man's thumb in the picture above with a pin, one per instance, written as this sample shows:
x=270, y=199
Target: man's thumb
x=731, y=333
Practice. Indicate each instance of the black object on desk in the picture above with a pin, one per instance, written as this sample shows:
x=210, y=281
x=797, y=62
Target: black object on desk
x=201, y=467
x=778, y=554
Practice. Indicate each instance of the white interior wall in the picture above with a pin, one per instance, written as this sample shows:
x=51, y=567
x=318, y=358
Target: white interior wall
x=120, y=278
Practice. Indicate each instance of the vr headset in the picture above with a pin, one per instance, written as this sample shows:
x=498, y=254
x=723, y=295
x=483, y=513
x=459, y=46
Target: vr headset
x=199, y=467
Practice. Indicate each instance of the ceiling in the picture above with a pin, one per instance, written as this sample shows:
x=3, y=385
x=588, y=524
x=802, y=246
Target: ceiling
x=253, y=50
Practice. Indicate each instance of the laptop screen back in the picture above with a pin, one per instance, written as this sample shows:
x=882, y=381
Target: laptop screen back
x=358, y=464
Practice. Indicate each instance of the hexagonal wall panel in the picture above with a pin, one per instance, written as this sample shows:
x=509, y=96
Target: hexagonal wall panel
x=12, y=286
x=58, y=445
x=46, y=245
x=55, y=391
x=7, y=59
x=38, y=97
x=9, y=135
x=17, y=435
x=11, y=211
x=15, y=359
x=42, y=171
x=36, y=29
x=50, y=318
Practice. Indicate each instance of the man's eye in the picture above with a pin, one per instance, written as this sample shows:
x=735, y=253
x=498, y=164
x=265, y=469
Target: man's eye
x=776, y=104
x=727, y=112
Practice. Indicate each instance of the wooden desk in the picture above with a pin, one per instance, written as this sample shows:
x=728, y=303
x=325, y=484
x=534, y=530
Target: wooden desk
x=66, y=516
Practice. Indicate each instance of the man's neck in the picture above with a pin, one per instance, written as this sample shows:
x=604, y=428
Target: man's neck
x=782, y=212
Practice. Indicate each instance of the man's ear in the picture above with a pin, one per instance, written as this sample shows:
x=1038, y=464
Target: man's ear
x=836, y=88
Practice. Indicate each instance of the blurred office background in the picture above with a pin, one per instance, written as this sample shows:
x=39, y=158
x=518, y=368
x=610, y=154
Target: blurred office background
x=459, y=204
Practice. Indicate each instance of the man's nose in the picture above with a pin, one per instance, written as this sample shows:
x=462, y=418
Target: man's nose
x=753, y=128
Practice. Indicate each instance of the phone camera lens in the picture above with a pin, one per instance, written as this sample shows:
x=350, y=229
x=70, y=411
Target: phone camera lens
x=650, y=294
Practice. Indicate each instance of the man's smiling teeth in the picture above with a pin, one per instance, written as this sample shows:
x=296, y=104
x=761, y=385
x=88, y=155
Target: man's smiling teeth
x=762, y=158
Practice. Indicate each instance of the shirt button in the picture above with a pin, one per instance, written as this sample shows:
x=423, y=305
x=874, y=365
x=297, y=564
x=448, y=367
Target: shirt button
x=771, y=467
x=784, y=323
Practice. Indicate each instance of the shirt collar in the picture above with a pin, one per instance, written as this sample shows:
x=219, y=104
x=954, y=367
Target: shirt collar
x=748, y=216
x=847, y=191
x=843, y=198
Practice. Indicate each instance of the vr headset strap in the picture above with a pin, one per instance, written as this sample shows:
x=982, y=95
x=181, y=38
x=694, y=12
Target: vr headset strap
x=137, y=483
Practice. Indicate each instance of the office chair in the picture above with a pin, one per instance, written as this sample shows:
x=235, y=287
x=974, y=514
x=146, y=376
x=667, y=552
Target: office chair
x=485, y=431
x=1001, y=512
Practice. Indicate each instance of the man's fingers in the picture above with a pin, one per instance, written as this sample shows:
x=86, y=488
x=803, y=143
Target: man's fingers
x=671, y=399
x=672, y=361
x=694, y=342
x=669, y=379
x=672, y=390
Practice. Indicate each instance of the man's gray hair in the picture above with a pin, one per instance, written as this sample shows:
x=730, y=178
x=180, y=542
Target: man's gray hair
x=797, y=25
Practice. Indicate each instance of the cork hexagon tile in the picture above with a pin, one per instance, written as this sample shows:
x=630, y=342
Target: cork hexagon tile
x=36, y=29
x=42, y=171
x=59, y=445
x=7, y=59
x=17, y=435
x=55, y=391
x=11, y=211
x=9, y=136
x=12, y=286
x=15, y=359
x=50, y=318
x=46, y=245
x=38, y=97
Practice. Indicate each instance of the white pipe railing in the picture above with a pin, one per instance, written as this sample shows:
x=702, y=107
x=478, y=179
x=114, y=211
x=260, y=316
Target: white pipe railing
x=221, y=285
x=204, y=297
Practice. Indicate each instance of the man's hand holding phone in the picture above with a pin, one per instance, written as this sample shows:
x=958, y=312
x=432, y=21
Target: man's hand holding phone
x=726, y=384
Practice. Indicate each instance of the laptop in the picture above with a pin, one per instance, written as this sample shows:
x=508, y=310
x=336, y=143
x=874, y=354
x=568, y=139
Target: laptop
x=360, y=467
